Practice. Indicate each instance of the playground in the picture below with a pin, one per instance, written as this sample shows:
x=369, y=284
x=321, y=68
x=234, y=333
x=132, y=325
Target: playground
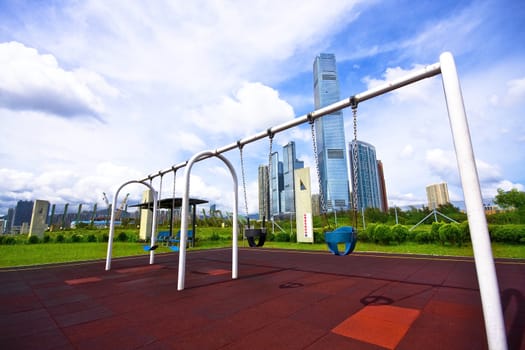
x=281, y=300
x=492, y=310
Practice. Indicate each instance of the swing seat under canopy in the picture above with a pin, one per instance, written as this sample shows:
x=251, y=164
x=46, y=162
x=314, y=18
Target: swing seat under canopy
x=346, y=235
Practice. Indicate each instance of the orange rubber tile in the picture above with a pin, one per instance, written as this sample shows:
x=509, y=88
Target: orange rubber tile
x=382, y=325
x=83, y=280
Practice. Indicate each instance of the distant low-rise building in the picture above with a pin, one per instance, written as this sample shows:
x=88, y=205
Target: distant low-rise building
x=437, y=194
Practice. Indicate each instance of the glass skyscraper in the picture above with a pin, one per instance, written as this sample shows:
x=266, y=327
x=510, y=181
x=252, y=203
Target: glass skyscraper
x=330, y=136
x=281, y=192
x=369, y=194
x=290, y=163
x=276, y=184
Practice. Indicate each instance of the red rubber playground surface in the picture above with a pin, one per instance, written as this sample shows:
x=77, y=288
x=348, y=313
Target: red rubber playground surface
x=281, y=300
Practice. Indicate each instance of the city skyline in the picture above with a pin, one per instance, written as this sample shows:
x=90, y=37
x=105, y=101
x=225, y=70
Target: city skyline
x=97, y=93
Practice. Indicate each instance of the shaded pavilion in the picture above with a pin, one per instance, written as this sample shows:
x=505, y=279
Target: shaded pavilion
x=172, y=204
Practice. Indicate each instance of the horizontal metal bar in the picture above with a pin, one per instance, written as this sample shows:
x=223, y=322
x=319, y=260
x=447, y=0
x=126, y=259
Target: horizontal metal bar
x=427, y=72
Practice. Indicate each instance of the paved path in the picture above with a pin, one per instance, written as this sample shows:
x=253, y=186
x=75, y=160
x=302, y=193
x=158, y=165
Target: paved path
x=282, y=300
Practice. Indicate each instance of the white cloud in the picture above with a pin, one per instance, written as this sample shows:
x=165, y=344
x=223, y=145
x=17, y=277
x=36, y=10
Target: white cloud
x=422, y=91
x=441, y=163
x=407, y=151
x=516, y=89
x=33, y=81
x=254, y=107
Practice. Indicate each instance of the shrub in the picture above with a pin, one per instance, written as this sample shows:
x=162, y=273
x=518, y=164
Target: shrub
x=122, y=237
x=422, y=236
x=399, y=233
x=105, y=237
x=9, y=240
x=47, y=239
x=451, y=233
x=434, y=231
x=507, y=233
x=282, y=237
x=60, y=238
x=76, y=238
x=33, y=240
x=363, y=236
x=92, y=238
x=369, y=232
x=318, y=237
x=215, y=237
x=383, y=234
x=464, y=231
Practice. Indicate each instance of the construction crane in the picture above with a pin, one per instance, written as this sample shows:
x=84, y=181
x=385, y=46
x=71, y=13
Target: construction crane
x=108, y=205
x=121, y=208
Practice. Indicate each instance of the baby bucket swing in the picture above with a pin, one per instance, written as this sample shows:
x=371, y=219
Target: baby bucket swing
x=344, y=234
x=250, y=233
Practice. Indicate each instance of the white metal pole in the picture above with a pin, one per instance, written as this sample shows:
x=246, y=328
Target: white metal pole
x=111, y=231
x=112, y=222
x=184, y=220
x=153, y=228
x=485, y=267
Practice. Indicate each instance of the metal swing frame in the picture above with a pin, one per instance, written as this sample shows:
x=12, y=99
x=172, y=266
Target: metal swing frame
x=484, y=261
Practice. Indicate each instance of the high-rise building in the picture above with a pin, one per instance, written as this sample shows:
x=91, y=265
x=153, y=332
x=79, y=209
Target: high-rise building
x=23, y=212
x=281, y=192
x=264, y=194
x=290, y=163
x=330, y=136
x=276, y=184
x=437, y=194
x=382, y=186
x=369, y=193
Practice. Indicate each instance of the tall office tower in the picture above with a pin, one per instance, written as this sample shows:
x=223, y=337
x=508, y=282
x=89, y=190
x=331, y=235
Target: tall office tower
x=382, y=187
x=437, y=194
x=264, y=194
x=23, y=212
x=290, y=163
x=330, y=136
x=276, y=184
x=368, y=185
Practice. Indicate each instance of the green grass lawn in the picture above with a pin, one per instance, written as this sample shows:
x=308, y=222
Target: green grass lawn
x=48, y=253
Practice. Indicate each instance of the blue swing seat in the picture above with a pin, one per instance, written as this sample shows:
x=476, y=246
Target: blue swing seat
x=346, y=235
x=162, y=238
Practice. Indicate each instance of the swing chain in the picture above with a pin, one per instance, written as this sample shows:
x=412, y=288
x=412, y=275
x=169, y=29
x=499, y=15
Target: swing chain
x=243, y=179
x=355, y=156
x=267, y=209
x=316, y=156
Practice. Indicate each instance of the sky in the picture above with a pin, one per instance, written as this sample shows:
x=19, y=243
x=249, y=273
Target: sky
x=96, y=93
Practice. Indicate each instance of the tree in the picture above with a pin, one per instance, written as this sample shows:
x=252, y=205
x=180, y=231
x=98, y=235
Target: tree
x=510, y=199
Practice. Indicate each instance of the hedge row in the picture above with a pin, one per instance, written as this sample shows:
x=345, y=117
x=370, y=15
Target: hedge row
x=65, y=238
x=440, y=232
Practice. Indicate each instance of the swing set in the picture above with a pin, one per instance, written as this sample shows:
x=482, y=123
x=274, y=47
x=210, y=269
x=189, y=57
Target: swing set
x=484, y=261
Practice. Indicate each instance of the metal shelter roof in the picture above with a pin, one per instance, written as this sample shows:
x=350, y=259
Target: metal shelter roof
x=168, y=203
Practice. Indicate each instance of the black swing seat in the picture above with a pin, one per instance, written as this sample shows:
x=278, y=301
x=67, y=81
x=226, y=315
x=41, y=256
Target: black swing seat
x=344, y=234
x=252, y=233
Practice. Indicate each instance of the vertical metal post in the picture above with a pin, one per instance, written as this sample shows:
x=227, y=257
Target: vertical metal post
x=112, y=224
x=485, y=267
x=184, y=218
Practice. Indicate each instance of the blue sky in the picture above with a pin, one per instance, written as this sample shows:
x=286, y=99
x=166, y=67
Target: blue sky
x=96, y=93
